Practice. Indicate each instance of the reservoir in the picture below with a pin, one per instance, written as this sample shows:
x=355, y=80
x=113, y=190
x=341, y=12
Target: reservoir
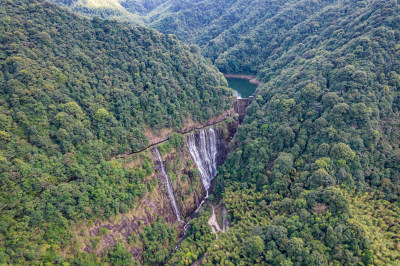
x=242, y=87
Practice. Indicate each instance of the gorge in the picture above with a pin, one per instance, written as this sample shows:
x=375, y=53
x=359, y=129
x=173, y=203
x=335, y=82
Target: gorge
x=124, y=145
x=171, y=196
x=181, y=181
x=183, y=176
x=205, y=148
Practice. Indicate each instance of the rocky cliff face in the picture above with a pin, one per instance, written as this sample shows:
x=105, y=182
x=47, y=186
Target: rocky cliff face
x=184, y=182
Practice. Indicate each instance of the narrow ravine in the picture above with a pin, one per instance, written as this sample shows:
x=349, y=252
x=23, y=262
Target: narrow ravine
x=204, y=147
x=169, y=186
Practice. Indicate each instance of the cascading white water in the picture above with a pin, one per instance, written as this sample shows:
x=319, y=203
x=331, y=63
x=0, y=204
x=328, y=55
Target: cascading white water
x=170, y=190
x=203, y=149
x=204, y=153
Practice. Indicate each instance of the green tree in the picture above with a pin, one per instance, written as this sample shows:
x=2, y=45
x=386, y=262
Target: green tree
x=342, y=151
x=120, y=256
x=254, y=246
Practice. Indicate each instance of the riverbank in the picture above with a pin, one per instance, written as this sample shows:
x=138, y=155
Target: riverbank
x=252, y=79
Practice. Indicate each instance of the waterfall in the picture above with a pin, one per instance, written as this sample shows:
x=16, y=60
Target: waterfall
x=204, y=153
x=169, y=186
x=197, y=199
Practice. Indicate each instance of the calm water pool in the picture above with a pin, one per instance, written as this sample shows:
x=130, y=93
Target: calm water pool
x=242, y=87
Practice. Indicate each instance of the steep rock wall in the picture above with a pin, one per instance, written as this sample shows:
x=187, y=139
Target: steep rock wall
x=187, y=187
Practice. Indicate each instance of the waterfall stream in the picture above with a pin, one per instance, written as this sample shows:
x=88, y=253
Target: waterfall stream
x=204, y=153
x=169, y=186
x=203, y=148
x=197, y=199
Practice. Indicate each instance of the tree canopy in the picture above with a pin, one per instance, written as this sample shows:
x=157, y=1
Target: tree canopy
x=74, y=93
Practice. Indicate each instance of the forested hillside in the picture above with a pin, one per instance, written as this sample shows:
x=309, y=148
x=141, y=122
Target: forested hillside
x=313, y=177
x=123, y=10
x=323, y=130
x=237, y=35
x=232, y=33
x=74, y=93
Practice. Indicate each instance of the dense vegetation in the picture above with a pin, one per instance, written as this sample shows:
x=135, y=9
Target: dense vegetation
x=159, y=243
x=323, y=129
x=122, y=10
x=197, y=241
x=231, y=33
x=74, y=93
x=237, y=35
x=314, y=177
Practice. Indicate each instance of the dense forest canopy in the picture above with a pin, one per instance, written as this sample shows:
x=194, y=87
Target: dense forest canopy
x=322, y=133
x=323, y=130
x=237, y=35
x=314, y=173
x=123, y=10
x=75, y=92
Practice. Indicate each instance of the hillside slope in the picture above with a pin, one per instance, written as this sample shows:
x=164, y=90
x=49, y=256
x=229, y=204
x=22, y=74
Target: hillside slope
x=237, y=35
x=315, y=171
x=123, y=10
x=322, y=132
x=74, y=93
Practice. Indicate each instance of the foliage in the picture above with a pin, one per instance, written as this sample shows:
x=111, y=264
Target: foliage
x=338, y=136
x=197, y=241
x=74, y=93
x=159, y=241
x=324, y=124
x=380, y=220
x=118, y=255
x=322, y=130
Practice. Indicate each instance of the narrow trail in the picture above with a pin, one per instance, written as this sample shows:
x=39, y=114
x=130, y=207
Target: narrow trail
x=199, y=261
x=167, y=138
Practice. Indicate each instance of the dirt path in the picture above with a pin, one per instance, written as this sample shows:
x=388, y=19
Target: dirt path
x=213, y=223
x=167, y=138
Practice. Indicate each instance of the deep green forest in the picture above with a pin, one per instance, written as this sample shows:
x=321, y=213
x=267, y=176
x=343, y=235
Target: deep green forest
x=74, y=93
x=313, y=174
x=323, y=130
